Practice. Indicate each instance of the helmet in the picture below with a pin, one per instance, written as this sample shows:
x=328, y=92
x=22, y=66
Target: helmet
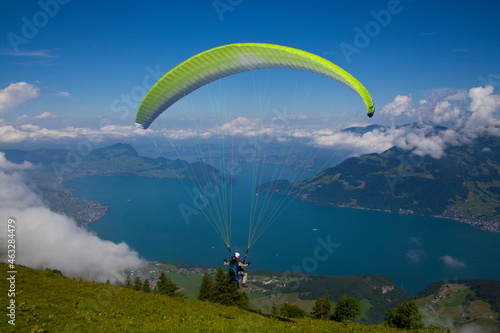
x=236, y=254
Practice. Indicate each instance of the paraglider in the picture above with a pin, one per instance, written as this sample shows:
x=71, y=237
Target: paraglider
x=212, y=65
x=237, y=269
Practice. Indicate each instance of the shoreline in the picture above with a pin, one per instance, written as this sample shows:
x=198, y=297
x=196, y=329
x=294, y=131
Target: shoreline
x=473, y=221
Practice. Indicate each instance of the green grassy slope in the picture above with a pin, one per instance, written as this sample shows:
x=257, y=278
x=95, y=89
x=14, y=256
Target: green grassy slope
x=47, y=302
x=378, y=293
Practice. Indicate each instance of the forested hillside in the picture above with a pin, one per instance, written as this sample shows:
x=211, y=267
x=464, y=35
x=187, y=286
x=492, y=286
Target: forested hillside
x=463, y=185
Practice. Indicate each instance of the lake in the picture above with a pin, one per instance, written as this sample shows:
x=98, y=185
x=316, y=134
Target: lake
x=413, y=250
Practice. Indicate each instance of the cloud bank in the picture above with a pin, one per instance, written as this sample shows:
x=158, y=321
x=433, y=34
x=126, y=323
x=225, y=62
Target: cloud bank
x=444, y=118
x=460, y=121
x=11, y=134
x=48, y=239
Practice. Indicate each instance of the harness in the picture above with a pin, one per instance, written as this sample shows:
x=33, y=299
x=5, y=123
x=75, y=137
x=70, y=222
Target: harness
x=234, y=267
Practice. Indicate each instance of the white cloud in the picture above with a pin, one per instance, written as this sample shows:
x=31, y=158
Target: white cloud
x=483, y=107
x=402, y=105
x=49, y=239
x=64, y=94
x=451, y=262
x=444, y=112
x=9, y=134
x=30, y=127
x=46, y=115
x=238, y=127
x=369, y=142
x=34, y=133
x=463, y=121
x=15, y=94
x=7, y=166
x=421, y=144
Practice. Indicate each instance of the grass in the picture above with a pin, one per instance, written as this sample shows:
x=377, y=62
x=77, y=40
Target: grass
x=191, y=283
x=480, y=307
x=265, y=302
x=48, y=302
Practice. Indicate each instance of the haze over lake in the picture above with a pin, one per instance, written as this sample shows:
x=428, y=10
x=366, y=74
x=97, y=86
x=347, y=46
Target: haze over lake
x=413, y=250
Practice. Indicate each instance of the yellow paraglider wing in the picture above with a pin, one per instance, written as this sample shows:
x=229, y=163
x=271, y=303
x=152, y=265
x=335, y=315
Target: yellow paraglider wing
x=231, y=59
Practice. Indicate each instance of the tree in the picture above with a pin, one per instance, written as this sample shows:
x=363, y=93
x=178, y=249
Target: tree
x=322, y=308
x=346, y=310
x=404, y=316
x=146, y=287
x=206, y=288
x=165, y=286
x=292, y=311
x=226, y=292
x=128, y=281
x=137, y=283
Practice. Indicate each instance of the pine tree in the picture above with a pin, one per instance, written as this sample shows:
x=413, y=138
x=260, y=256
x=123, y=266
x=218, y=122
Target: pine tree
x=322, y=308
x=404, y=315
x=165, y=286
x=146, y=287
x=128, y=281
x=226, y=292
x=346, y=310
x=137, y=283
x=206, y=288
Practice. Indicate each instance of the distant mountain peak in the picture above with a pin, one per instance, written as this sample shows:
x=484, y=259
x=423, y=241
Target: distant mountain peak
x=116, y=150
x=361, y=129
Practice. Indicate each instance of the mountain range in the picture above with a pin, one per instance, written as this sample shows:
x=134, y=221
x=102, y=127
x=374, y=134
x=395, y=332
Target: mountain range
x=464, y=185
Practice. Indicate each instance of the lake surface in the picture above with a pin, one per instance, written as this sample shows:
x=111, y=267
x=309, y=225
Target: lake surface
x=413, y=250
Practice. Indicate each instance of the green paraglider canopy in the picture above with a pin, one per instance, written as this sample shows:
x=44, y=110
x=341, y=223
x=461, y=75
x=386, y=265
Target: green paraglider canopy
x=227, y=60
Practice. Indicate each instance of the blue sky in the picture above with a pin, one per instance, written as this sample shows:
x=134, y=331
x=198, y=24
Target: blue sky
x=86, y=55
